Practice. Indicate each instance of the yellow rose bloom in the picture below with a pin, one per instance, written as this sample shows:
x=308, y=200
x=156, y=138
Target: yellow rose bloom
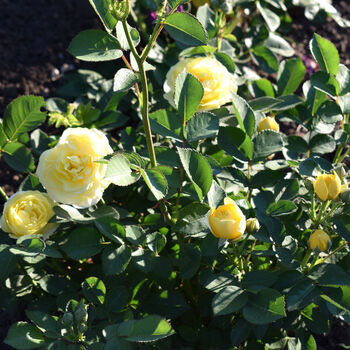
x=268, y=123
x=198, y=3
x=28, y=213
x=218, y=83
x=69, y=172
x=227, y=221
x=319, y=239
x=327, y=186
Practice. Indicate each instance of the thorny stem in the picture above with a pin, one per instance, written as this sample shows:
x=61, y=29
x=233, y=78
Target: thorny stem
x=323, y=209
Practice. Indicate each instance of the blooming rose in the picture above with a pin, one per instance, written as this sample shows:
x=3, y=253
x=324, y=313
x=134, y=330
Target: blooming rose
x=69, y=172
x=217, y=82
x=327, y=186
x=319, y=239
x=268, y=123
x=227, y=221
x=28, y=213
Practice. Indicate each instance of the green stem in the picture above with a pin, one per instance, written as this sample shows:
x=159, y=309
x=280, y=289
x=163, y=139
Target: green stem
x=323, y=209
x=144, y=98
x=3, y=194
x=334, y=208
x=306, y=258
x=334, y=251
x=313, y=206
x=338, y=154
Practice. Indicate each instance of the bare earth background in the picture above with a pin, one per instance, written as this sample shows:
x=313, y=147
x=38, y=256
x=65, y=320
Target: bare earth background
x=34, y=36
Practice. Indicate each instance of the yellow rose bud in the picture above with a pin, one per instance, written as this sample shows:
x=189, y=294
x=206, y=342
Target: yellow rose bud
x=268, y=123
x=327, y=186
x=218, y=83
x=252, y=225
x=28, y=213
x=227, y=221
x=319, y=239
x=198, y=3
x=69, y=172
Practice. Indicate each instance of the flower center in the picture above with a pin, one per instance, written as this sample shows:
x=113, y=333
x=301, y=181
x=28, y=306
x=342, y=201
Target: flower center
x=76, y=167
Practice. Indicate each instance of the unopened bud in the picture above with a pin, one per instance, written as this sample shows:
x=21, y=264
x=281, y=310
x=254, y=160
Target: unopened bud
x=319, y=239
x=340, y=171
x=252, y=225
x=120, y=9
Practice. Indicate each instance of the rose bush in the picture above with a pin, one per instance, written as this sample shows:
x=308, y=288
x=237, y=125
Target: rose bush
x=69, y=171
x=165, y=253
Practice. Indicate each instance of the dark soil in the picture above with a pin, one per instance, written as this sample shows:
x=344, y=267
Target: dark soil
x=34, y=36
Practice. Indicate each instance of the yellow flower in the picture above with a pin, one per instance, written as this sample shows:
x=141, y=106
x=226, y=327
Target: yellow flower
x=319, y=239
x=28, y=213
x=327, y=186
x=268, y=123
x=217, y=82
x=227, y=221
x=69, y=172
x=198, y=3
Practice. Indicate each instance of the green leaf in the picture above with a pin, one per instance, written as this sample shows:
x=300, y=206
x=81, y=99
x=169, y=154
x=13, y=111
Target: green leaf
x=192, y=218
x=150, y=328
x=124, y=80
x=258, y=280
x=156, y=242
x=119, y=171
x=282, y=207
x=263, y=87
x=265, y=59
x=95, y=45
x=264, y=103
x=167, y=124
x=343, y=78
x=266, y=143
x=186, y=29
x=101, y=7
x=18, y=157
x=23, y=335
x=156, y=182
x=226, y=60
x=45, y=322
x=271, y=18
x=240, y=332
x=135, y=234
x=202, y=126
x=326, y=83
x=197, y=169
x=229, y=300
x=342, y=225
x=244, y=114
x=288, y=102
x=265, y=307
x=7, y=262
x=22, y=115
x=188, y=95
x=322, y=144
x=111, y=229
x=135, y=36
x=94, y=290
x=329, y=112
x=279, y=45
x=290, y=74
x=301, y=294
x=340, y=297
x=190, y=259
x=329, y=275
x=115, y=260
x=236, y=143
x=82, y=243
x=325, y=53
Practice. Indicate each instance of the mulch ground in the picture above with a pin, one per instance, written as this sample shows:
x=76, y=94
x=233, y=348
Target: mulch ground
x=34, y=36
